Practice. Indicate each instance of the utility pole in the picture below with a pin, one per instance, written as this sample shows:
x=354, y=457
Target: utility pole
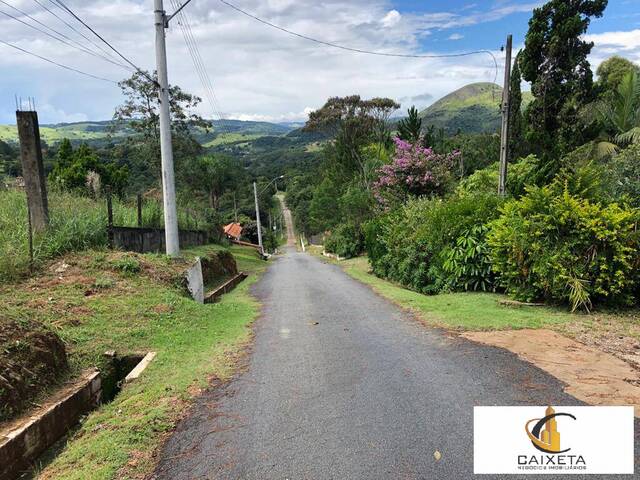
x=172, y=240
x=506, y=110
x=255, y=194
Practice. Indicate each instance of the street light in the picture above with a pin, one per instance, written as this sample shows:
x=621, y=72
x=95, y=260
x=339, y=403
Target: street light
x=255, y=194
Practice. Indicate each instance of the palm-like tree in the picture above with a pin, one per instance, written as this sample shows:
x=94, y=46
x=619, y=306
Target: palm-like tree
x=619, y=116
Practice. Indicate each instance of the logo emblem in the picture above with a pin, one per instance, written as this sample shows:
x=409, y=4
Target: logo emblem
x=547, y=440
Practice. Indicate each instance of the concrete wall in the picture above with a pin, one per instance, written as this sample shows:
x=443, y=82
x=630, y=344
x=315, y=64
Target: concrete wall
x=21, y=446
x=143, y=240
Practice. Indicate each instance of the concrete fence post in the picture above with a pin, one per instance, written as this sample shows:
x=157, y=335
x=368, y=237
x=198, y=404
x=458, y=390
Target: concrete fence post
x=32, y=169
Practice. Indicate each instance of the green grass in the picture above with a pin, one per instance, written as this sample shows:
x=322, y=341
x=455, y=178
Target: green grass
x=135, y=312
x=77, y=223
x=466, y=311
x=229, y=138
x=9, y=133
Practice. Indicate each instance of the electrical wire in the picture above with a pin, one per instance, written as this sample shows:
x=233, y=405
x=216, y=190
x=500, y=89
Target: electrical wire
x=69, y=44
x=71, y=27
x=194, y=51
x=66, y=67
x=65, y=39
x=138, y=69
x=359, y=50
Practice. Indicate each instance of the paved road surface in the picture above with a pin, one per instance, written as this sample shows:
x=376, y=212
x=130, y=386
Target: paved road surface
x=343, y=385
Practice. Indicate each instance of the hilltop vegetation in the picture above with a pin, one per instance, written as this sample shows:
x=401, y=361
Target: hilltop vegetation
x=474, y=108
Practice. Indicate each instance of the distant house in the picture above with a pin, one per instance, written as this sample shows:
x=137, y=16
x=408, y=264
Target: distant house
x=233, y=231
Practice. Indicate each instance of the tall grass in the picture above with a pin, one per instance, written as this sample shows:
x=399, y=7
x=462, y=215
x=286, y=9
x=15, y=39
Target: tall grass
x=77, y=223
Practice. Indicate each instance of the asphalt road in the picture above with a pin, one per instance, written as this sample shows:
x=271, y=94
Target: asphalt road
x=343, y=385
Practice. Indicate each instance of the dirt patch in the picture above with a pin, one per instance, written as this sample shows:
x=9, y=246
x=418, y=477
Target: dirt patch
x=591, y=375
x=615, y=334
x=32, y=358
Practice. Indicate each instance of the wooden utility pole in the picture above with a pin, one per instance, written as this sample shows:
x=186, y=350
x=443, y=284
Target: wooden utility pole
x=506, y=109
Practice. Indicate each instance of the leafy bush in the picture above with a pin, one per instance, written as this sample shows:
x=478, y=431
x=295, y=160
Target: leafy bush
x=410, y=244
x=625, y=172
x=345, y=240
x=519, y=175
x=556, y=246
x=468, y=262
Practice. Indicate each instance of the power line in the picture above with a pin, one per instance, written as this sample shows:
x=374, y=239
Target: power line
x=194, y=51
x=359, y=50
x=62, y=40
x=142, y=72
x=66, y=67
x=109, y=54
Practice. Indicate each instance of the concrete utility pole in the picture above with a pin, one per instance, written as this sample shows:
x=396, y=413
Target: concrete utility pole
x=32, y=169
x=172, y=240
x=255, y=194
x=506, y=110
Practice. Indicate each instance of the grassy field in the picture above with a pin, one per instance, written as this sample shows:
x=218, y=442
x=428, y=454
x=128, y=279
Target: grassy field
x=466, y=311
x=228, y=138
x=9, y=133
x=130, y=303
x=77, y=223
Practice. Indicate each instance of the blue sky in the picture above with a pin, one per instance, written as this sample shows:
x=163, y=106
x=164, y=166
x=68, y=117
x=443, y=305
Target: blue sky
x=263, y=74
x=620, y=15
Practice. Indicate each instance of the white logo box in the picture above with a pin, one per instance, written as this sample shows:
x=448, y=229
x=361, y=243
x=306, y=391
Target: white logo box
x=600, y=439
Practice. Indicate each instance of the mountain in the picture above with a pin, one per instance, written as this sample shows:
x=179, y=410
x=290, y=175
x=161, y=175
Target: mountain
x=474, y=108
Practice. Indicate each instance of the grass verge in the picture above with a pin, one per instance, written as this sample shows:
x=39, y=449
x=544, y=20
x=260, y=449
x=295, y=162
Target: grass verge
x=131, y=303
x=465, y=311
x=77, y=223
x=617, y=333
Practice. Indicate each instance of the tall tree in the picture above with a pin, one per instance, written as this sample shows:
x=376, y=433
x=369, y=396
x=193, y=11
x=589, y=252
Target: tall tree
x=410, y=128
x=516, y=133
x=355, y=123
x=140, y=112
x=554, y=61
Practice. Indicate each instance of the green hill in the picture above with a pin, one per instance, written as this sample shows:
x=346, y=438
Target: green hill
x=474, y=108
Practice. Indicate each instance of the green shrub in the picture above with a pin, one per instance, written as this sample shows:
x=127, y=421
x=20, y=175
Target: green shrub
x=553, y=245
x=467, y=264
x=411, y=244
x=346, y=240
x=624, y=169
x=485, y=181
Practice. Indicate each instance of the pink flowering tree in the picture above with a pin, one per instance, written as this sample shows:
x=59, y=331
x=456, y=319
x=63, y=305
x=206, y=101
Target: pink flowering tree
x=415, y=171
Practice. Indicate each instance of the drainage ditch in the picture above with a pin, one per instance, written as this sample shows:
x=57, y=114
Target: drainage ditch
x=30, y=443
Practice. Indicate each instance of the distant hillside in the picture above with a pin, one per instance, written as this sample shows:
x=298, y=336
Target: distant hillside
x=474, y=108
x=225, y=131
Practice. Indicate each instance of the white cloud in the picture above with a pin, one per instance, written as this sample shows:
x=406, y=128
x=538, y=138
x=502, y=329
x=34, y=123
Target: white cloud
x=621, y=40
x=456, y=36
x=391, y=19
x=607, y=44
x=258, y=72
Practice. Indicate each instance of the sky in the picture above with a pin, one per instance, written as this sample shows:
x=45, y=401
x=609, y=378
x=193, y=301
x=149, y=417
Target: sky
x=260, y=73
